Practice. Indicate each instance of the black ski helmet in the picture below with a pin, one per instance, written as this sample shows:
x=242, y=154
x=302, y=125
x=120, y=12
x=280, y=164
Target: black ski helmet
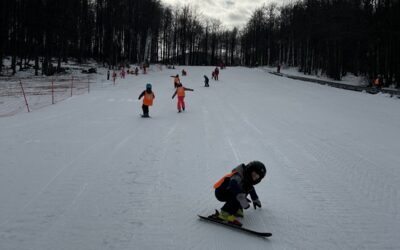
x=258, y=167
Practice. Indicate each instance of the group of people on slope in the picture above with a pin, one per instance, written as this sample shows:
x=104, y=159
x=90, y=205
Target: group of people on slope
x=233, y=188
x=148, y=95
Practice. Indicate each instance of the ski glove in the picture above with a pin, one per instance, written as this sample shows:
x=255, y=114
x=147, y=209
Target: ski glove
x=256, y=203
x=241, y=198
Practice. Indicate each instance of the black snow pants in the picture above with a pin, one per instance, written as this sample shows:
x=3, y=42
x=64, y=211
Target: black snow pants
x=231, y=203
x=145, y=110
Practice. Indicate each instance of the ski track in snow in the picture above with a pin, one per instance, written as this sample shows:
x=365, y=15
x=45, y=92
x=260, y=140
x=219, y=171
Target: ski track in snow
x=89, y=173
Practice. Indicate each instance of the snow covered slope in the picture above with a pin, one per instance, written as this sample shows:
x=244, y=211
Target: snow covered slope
x=89, y=173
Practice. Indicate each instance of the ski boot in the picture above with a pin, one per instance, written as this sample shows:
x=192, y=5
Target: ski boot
x=228, y=218
x=239, y=213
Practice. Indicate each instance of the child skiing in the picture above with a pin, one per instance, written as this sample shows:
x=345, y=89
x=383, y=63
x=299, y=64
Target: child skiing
x=176, y=80
x=206, y=80
x=114, y=76
x=216, y=73
x=180, y=91
x=147, y=100
x=233, y=189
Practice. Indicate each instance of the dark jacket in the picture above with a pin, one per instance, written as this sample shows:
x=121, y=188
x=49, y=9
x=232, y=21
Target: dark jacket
x=239, y=183
x=206, y=80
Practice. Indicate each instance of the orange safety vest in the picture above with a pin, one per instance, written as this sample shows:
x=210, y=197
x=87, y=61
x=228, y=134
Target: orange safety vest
x=180, y=91
x=219, y=183
x=148, y=99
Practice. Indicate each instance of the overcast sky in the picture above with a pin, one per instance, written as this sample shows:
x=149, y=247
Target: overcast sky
x=230, y=12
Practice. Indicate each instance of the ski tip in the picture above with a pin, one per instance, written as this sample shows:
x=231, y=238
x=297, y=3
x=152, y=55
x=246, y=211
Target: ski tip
x=267, y=235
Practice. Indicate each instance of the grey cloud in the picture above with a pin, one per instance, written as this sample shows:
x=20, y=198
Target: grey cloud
x=230, y=12
x=207, y=2
x=235, y=16
x=229, y=3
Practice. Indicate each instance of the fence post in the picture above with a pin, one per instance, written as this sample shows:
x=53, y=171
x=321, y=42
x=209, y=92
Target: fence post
x=52, y=92
x=88, y=84
x=72, y=84
x=23, y=92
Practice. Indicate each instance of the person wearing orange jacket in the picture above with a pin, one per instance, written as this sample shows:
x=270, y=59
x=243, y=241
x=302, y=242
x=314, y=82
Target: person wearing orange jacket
x=180, y=92
x=378, y=82
x=233, y=189
x=148, y=97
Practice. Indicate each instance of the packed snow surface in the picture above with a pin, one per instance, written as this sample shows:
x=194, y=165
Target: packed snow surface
x=89, y=173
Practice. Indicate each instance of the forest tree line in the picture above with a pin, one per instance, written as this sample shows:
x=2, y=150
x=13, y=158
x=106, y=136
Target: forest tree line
x=331, y=37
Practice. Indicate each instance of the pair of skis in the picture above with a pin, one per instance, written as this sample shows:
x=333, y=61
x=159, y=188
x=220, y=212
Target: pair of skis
x=216, y=220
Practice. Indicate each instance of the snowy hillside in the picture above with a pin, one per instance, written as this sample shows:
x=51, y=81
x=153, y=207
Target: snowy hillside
x=89, y=173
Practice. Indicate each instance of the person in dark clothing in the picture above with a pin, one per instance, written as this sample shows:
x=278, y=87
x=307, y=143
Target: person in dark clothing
x=381, y=81
x=148, y=97
x=234, y=187
x=177, y=81
x=206, y=80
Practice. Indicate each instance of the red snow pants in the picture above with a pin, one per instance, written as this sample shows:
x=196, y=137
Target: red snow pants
x=181, y=103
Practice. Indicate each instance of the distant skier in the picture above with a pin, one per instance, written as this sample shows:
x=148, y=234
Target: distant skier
x=176, y=80
x=184, y=72
x=114, y=76
x=180, y=91
x=378, y=82
x=145, y=66
x=216, y=73
x=234, y=187
x=206, y=80
x=147, y=100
